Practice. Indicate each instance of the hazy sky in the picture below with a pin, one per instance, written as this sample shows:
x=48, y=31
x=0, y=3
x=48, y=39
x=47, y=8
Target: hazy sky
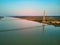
x=29, y=7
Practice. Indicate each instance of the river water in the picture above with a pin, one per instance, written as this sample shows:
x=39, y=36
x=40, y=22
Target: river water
x=15, y=31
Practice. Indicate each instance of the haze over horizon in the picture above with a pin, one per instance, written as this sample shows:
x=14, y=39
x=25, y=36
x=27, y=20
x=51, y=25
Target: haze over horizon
x=29, y=7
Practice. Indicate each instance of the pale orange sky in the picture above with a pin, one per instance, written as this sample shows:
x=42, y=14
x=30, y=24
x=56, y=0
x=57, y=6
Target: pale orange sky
x=27, y=12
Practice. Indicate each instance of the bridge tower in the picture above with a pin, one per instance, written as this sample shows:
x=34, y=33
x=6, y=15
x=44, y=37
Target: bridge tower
x=44, y=17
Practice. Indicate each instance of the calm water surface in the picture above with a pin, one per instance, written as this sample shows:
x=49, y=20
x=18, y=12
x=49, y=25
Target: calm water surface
x=14, y=31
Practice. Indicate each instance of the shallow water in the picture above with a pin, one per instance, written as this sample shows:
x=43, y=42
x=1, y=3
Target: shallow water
x=15, y=31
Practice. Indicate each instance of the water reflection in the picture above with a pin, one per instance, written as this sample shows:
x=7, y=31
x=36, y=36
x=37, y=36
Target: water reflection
x=43, y=27
x=6, y=30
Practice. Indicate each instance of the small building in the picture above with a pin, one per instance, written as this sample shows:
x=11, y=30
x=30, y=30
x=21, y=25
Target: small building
x=55, y=22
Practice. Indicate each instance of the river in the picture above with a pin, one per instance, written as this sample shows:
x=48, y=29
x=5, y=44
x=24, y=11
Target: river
x=15, y=31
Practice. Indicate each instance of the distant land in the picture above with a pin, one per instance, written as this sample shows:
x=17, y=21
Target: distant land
x=1, y=17
x=50, y=20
